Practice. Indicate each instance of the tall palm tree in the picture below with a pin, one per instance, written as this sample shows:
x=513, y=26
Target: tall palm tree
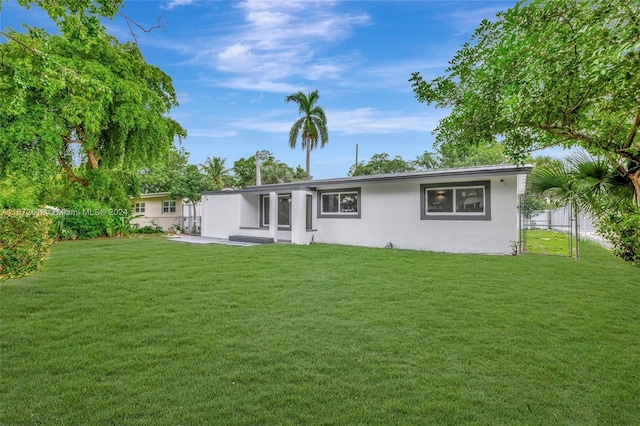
x=313, y=124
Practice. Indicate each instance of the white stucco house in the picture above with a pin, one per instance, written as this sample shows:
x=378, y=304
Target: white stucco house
x=465, y=210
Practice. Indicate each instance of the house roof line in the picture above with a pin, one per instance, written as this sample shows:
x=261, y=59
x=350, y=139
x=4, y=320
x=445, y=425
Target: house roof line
x=498, y=170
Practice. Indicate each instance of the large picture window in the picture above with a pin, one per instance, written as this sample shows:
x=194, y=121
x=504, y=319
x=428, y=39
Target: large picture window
x=339, y=203
x=456, y=201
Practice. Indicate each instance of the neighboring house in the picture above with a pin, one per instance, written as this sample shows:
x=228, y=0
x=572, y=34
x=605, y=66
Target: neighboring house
x=161, y=210
x=467, y=210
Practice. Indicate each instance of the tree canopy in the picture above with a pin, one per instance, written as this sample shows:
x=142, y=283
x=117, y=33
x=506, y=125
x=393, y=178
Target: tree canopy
x=543, y=74
x=81, y=100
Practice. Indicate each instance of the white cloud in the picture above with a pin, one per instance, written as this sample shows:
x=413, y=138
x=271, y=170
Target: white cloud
x=209, y=133
x=350, y=122
x=278, y=41
x=373, y=121
x=244, y=83
x=175, y=3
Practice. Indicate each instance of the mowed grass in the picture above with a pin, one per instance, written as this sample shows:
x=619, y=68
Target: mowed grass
x=147, y=331
x=542, y=241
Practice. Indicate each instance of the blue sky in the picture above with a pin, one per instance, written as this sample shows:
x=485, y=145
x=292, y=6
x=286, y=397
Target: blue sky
x=233, y=62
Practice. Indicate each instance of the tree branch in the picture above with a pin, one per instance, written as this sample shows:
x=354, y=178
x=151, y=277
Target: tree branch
x=634, y=130
x=131, y=23
x=71, y=173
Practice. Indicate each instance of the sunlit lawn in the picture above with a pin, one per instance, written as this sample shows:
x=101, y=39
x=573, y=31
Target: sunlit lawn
x=146, y=331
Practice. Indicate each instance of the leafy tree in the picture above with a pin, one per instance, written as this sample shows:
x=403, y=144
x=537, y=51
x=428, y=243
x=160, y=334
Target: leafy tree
x=478, y=155
x=312, y=126
x=189, y=185
x=161, y=175
x=547, y=73
x=67, y=13
x=272, y=171
x=426, y=161
x=81, y=100
x=380, y=164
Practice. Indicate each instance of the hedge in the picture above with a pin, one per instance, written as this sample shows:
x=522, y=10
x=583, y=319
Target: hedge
x=24, y=242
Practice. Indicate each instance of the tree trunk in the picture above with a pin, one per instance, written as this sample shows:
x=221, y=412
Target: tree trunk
x=635, y=180
x=308, y=161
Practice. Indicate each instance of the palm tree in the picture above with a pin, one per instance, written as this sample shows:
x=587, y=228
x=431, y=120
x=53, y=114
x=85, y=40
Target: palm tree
x=587, y=183
x=313, y=124
x=216, y=172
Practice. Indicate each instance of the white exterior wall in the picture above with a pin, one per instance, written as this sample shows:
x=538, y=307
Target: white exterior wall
x=391, y=213
x=153, y=213
x=220, y=215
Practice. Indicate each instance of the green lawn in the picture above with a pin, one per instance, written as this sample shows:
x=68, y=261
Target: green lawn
x=146, y=331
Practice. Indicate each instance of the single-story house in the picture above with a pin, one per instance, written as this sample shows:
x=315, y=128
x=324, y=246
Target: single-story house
x=159, y=209
x=464, y=210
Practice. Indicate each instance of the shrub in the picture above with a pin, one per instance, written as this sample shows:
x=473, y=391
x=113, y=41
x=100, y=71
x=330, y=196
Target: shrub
x=86, y=219
x=622, y=230
x=24, y=242
x=148, y=230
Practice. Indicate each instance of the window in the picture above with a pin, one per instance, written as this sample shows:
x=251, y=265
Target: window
x=139, y=208
x=456, y=201
x=168, y=206
x=284, y=210
x=309, y=211
x=340, y=203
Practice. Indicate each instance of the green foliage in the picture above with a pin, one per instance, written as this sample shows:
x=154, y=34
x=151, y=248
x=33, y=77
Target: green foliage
x=586, y=183
x=450, y=155
x=272, y=171
x=148, y=230
x=380, y=164
x=217, y=175
x=159, y=177
x=189, y=184
x=547, y=73
x=17, y=191
x=81, y=91
x=88, y=219
x=622, y=230
x=24, y=242
x=68, y=14
x=312, y=126
x=446, y=157
x=592, y=184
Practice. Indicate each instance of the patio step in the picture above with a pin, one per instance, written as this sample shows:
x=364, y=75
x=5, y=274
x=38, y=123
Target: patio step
x=249, y=239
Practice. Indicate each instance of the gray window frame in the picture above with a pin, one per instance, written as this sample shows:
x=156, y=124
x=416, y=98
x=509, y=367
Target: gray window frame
x=175, y=206
x=264, y=219
x=486, y=215
x=339, y=215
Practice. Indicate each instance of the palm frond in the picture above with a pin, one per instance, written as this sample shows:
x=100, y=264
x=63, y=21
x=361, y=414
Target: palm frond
x=295, y=131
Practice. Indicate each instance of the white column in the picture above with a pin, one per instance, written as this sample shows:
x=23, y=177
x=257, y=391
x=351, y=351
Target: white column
x=298, y=217
x=273, y=216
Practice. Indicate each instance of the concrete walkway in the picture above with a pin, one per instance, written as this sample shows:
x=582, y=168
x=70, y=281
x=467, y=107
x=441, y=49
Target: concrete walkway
x=194, y=239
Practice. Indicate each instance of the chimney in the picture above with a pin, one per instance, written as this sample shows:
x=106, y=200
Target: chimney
x=258, y=176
